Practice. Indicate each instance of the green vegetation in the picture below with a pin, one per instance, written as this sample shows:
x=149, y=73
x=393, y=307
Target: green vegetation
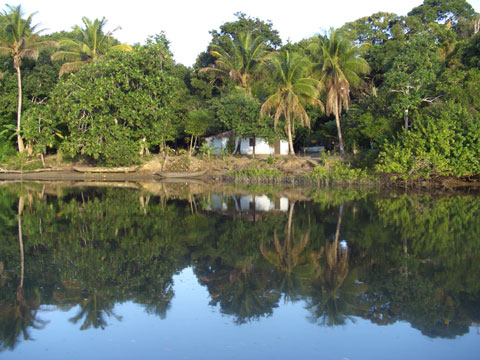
x=293, y=92
x=256, y=175
x=393, y=94
x=338, y=172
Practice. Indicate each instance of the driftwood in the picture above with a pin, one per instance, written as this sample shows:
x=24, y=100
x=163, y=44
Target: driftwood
x=181, y=174
x=89, y=169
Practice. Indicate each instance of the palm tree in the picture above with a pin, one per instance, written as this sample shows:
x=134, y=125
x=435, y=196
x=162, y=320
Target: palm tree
x=19, y=39
x=238, y=58
x=339, y=66
x=293, y=92
x=93, y=43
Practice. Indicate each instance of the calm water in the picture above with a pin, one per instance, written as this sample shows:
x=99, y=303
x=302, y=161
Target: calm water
x=177, y=272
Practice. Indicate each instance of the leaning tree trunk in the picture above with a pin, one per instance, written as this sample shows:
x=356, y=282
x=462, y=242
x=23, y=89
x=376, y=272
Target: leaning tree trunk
x=290, y=140
x=21, y=147
x=339, y=130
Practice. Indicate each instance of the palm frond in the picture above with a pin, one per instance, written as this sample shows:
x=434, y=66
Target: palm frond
x=69, y=44
x=71, y=67
x=66, y=56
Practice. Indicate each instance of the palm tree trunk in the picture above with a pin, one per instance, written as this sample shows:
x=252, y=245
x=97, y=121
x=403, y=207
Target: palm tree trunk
x=21, y=147
x=339, y=130
x=289, y=134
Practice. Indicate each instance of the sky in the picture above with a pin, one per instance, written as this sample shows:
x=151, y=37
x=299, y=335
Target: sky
x=187, y=23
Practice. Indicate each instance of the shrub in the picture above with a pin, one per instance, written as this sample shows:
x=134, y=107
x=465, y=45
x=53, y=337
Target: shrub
x=444, y=141
x=338, y=172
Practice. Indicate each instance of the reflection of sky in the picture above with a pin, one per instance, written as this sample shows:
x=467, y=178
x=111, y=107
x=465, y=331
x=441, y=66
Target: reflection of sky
x=195, y=330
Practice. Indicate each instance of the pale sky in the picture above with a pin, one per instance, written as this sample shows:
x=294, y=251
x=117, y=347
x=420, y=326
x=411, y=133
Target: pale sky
x=187, y=22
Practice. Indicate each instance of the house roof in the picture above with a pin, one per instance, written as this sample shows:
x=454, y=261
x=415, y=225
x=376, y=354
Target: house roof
x=226, y=134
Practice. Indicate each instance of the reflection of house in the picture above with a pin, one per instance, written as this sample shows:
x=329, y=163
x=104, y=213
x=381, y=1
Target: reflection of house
x=245, y=203
x=262, y=203
x=247, y=145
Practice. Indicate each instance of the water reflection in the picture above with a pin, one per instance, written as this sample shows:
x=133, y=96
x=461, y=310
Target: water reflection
x=345, y=255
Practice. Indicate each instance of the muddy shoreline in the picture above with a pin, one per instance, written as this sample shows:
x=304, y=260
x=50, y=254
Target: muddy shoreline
x=115, y=179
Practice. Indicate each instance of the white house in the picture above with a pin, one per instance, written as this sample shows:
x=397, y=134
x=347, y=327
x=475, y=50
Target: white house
x=261, y=147
x=247, y=145
x=219, y=142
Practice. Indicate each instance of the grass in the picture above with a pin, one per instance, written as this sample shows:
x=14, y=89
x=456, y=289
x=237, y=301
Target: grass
x=256, y=175
x=339, y=172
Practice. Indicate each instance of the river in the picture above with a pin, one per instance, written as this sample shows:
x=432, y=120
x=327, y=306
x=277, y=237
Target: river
x=192, y=272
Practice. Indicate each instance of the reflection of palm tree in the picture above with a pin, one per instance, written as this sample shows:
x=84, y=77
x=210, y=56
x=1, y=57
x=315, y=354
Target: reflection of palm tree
x=289, y=258
x=337, y=255
x=19, y=316
x=332, y=304
x=241, y=291
x=336, y=296
x=21, y=203
x=94, y=308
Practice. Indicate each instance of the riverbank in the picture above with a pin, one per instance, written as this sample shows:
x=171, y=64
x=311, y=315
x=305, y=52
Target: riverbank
x=267, y=170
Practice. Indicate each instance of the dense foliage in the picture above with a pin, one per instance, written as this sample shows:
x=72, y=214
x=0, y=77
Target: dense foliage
x=400, y=93
x=113, y=117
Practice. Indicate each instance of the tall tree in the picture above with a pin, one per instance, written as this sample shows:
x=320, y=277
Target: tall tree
x=292, y=93
x=412, y=76
x=255, y=26
x=238, y=58
x=93, y=43
x=339, y=67
x=443, y=11
x=19, y=39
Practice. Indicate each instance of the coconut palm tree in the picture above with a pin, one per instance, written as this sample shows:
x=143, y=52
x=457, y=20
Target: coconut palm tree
x=238, y=58
x=339, y=66
x=293, y=92
x=93, y=43
x=19, y=39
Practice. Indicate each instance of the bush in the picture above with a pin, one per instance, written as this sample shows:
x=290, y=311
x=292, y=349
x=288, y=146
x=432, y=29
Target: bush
x=111, y=108
x=444, y=141
x=338, y=172
x=7, y=149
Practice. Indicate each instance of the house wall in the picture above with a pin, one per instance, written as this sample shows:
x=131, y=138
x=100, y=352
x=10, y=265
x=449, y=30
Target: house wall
x=283, y=147
x=262, y=147
x=218, y=144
